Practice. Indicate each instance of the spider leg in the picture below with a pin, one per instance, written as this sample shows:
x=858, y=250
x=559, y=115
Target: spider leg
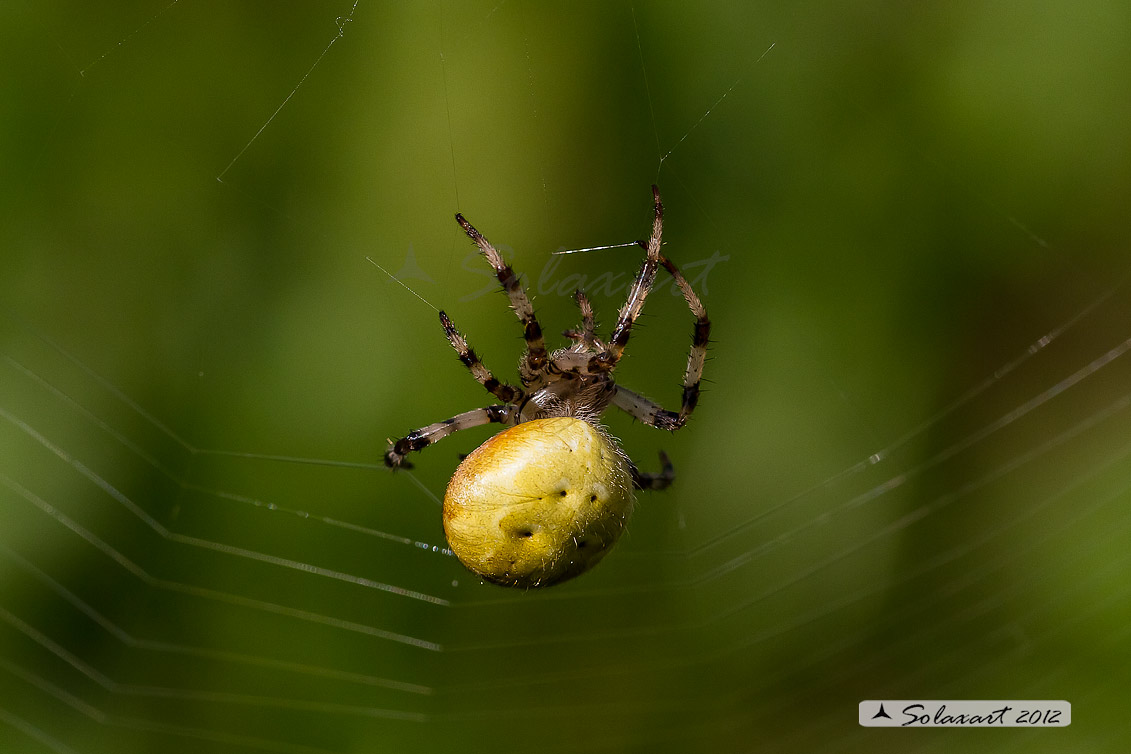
x=644, y=410
x=608, y=358
x=652, y=413
x=534, y=361
x=654, y=481
x=588, y=322
x=585, y=338
x=699, y=338
x=504, y=392
x=419, y=439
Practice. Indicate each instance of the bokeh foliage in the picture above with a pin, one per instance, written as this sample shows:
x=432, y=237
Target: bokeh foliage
x=900, y=200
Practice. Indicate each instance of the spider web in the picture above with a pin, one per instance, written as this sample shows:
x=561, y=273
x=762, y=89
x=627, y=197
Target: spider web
x=908, y=475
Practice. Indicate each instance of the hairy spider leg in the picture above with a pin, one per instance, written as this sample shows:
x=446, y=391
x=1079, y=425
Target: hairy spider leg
x=419, y=439
x=700, y=336
x=608, y=358
x=585, y=338
x=652, y=413
x=501, y=390
x=534, y=360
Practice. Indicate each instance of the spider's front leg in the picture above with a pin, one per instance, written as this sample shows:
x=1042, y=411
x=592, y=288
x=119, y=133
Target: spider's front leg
x=535, y=360
x=637, y=293
x=481, y=373
x=419, y=439
x=700, y=336
x=652, y=413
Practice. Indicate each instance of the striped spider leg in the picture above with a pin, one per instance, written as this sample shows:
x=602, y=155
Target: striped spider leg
x=575, y=381
x=534, y=360
x=419, y=439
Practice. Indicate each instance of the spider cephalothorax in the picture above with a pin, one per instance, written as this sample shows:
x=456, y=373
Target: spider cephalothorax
x=543, y=501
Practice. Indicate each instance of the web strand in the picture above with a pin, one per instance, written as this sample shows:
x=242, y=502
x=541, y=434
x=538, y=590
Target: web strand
x=162, y=593
x=341, y=23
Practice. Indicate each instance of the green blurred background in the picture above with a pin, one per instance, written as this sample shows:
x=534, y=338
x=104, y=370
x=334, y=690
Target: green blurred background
x=907, y=478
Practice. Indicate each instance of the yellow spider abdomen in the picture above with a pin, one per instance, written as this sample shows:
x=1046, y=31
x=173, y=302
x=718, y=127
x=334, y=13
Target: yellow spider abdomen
x=538, y=503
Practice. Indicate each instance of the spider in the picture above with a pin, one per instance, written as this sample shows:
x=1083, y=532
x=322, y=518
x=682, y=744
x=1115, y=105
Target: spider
x=544, y=500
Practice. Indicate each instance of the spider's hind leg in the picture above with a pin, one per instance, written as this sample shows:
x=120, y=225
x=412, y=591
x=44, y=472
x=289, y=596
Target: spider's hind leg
x=658, y=481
